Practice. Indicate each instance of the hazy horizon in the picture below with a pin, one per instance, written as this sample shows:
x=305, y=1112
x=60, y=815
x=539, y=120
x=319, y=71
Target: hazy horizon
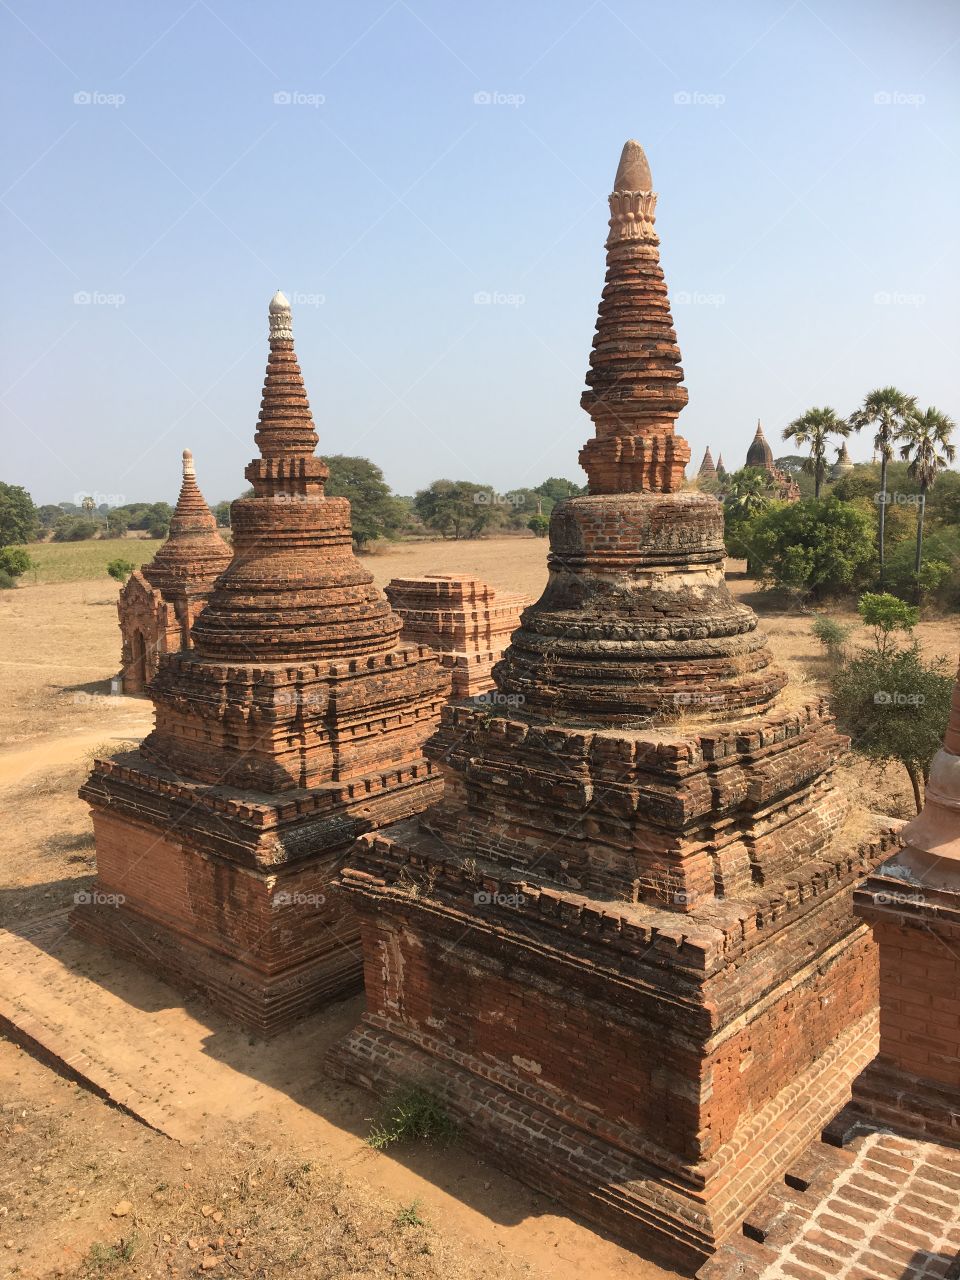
x=428, y=185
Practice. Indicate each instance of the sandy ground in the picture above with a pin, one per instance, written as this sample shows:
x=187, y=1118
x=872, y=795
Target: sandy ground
x=59, y=646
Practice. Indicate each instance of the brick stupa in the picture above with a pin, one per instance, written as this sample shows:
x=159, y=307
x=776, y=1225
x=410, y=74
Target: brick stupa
x=621, y=951
x=159, y=603
x=294, y=723
x=913, y=903
x=467, y=621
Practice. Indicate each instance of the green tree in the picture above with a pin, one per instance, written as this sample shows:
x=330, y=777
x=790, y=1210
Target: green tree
x=48, y=515
x=374, y=511
x=457, y=508
x=74, y=529
x=819, y=548
x=813, y=431
x=895, y=707
x=221, y=513
x=886, y=614
x=928, y=450
x=18, y=515
x=539, y=526
x=886, y=410
x=118, y=522
x=555, y=489
x=120, y=569
x=749, y=491
x=14, y=561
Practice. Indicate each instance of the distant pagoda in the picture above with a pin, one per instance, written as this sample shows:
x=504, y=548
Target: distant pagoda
x=621, y=950
x=294, y=723
x=707, y=470
x=760, y=456
x=159, y=603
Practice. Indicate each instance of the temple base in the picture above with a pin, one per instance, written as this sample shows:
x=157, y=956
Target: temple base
x=234, y=898
x=679, y=1222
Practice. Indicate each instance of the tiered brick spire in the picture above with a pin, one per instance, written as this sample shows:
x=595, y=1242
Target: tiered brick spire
x=621, y=948
x=194, y=552
x=636, y=625
x=707, y=470
x=635, y=377
x=295, y=723
x=158, y=604
x=295, y=590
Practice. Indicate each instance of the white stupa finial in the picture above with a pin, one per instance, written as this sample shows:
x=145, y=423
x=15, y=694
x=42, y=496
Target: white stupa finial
x=188, y=469
x=281, y=317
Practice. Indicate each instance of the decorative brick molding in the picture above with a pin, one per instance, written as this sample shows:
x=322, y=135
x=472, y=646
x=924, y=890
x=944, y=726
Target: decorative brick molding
x=465, y=620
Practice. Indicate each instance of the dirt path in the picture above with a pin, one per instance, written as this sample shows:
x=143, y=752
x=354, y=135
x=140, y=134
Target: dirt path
x=19, y=763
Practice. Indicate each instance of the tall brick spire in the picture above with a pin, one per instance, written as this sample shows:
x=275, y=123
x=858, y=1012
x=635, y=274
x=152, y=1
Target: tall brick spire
x=635, y=378
x=194, y=553
x=295, y=590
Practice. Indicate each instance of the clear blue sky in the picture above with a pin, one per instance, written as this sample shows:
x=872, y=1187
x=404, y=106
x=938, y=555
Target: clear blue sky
x=793, y=201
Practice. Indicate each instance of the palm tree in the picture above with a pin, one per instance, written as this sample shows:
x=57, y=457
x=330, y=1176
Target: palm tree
x=814, y=429
x=749, y=490
x=927, y=448
x=887, y=410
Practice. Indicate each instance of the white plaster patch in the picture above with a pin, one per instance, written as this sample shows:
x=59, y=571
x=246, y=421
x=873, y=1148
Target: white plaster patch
x=524, y=1064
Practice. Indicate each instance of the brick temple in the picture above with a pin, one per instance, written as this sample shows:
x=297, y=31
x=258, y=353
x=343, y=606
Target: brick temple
x=622, y=950
x=467, y=621
x=295, y=722
x=879, y=1197
x=159, y=603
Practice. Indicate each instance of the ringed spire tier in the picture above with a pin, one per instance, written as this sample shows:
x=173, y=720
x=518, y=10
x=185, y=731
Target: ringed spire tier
x=294, y=591
x=635, y=379
x=194, y=551
x=636, y=626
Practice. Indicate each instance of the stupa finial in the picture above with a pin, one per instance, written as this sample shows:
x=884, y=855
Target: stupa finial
x=633, y=171
x=281, y=318
x=189, y=471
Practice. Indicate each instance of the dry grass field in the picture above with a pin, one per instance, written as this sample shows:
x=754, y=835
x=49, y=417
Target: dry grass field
x=70, y=1159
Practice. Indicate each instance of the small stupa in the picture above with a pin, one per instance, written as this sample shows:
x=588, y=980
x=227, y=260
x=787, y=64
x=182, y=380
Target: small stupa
x=293, y=724
x=159, y=603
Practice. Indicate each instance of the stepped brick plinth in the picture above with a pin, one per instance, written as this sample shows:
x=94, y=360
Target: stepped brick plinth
x=622, y=949
x=159, y=603
x=464, y=619
x=913, y=904
x=295, y=723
